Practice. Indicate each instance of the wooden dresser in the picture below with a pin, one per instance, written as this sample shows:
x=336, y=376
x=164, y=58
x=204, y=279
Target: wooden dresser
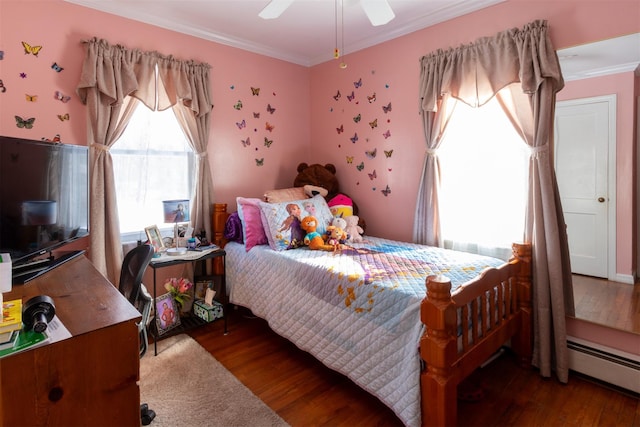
x=88, y=379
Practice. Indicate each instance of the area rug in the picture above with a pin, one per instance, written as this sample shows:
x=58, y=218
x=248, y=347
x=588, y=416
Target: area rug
x=186, y=386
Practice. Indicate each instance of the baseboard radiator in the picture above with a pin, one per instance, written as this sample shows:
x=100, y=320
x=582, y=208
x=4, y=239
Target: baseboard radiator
x=605, y=364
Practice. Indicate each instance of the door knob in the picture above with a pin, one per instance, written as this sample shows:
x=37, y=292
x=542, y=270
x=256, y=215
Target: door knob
x=601, y=199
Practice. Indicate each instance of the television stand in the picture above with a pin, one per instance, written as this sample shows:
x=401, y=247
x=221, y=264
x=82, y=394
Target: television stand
x=24, y=273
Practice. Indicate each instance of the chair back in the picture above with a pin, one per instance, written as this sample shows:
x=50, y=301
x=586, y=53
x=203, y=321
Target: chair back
x=133, y=267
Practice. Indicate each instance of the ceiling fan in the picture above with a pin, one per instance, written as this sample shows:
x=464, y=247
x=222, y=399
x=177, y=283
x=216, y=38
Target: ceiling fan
x=378, y=11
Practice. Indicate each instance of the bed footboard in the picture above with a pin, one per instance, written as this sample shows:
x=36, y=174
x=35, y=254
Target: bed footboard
x=465, y=328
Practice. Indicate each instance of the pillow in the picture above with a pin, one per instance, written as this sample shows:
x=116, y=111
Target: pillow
x=252, y=228
x=233, y=228
x=282, y=232
x=285, y=195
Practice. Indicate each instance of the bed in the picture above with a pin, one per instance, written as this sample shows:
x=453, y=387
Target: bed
x=405, y=322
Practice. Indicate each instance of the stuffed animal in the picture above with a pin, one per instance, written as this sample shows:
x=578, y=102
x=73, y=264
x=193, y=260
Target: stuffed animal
x=353, y=230
x=313, y=239
x=319, y=179
x=335, y=237
x=339, y=222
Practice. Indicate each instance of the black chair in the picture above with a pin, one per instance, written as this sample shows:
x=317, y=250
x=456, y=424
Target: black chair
x=134, y=265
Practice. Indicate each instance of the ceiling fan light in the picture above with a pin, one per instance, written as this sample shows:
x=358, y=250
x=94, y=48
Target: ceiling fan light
x=274, y=9
x=378, y=11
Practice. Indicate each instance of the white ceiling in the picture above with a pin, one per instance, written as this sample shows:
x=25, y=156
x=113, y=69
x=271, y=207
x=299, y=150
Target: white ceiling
x=305, y=33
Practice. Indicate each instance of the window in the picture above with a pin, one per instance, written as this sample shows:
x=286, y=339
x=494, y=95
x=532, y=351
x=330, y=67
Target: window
x=482, y=159
x=152, y=162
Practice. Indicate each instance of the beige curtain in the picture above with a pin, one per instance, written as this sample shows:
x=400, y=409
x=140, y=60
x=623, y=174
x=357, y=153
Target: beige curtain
x=521, y=67
x=428, y=230
x=114, y=80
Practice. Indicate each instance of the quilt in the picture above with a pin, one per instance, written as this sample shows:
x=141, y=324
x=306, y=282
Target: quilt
x=357, y=311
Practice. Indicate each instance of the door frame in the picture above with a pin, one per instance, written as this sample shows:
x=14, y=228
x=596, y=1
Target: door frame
x=611, y=100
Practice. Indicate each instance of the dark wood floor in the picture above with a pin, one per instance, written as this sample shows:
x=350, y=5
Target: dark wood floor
x=612, y=304
x=305, y=393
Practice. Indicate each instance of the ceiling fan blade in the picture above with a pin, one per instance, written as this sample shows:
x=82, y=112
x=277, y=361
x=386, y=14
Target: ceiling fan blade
x=274, y=9
x=378, y=11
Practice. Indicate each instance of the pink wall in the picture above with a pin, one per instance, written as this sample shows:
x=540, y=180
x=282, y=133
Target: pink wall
x=306, y=114
x=59, y=27
x=622, y=85
x=396, y=63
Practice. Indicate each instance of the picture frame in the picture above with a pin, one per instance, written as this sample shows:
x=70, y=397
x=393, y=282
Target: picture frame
x=201, y=288
x=167, y=314
x=155, y=238
x=184, y=231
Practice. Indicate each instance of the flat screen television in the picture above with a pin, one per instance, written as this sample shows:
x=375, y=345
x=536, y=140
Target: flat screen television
x=44, y=202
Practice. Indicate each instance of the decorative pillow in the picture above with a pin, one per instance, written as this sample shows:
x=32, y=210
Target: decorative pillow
x=282, y=220
x=284, y=195
x=252, y=228
x=233, y=228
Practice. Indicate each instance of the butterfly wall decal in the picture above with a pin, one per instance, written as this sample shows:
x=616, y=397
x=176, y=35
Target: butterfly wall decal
x=24, y=123
x=388, y=153
x=354, y=138
x=387, y=134
x=1, y=55
x=270, y=109
x=255, y=91
x=242, y=124
x=386, y=191
x=360, y=166
x=63, y=117
x=372, y=153
x=357, y=118
x=62, y=97
x=351, y=97
x=372, y=175
x=260, y=162
x=268, y=126
x=2, y=88
x=371, y=98
x=349, y=160
x=28, y=49
x=358, y=84
x=340, y=129
x=256, y=115
x=374, y=124
x=31, y=98
x=238, y=105
x=386, y=108
x=55, y=67
x=246, y=142
x=337, y=96
x=267, y=142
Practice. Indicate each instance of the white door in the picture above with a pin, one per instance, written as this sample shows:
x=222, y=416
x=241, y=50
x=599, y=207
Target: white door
x=584, y=138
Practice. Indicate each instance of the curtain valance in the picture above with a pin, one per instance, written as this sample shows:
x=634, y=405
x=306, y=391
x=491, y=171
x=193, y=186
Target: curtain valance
x=474, y=73
x=116, y=71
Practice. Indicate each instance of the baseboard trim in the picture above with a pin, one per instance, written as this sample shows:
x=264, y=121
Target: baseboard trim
x=629, y=279
x=603, y=363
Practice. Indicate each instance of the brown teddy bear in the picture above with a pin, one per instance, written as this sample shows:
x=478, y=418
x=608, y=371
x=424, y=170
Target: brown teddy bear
x=318, y=179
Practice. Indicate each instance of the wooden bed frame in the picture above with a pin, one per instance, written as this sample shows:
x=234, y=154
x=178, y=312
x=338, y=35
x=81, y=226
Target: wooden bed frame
x=495, y=307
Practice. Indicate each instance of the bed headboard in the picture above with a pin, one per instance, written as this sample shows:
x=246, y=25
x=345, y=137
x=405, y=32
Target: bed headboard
x=218, y=221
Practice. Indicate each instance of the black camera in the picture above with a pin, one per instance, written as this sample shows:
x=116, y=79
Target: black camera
x=38, y=312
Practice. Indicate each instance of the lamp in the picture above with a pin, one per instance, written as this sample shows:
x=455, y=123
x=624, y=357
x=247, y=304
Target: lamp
x=176, y=211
